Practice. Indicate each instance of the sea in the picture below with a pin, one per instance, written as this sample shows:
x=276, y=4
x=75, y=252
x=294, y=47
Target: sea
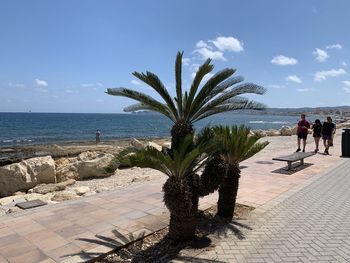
x=17, y=129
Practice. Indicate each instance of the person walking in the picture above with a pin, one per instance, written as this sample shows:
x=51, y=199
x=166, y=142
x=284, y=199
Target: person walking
x=302, y=131
x=317, y=128
x=98, y=134
x=328, y=128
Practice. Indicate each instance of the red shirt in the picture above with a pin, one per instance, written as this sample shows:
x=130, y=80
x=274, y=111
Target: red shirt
x=301, y=129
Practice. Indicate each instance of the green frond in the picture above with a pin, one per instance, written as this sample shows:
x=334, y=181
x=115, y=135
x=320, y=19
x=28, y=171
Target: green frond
x=203, y=70
x=208, y=87
x=142, y=98
x=231, y=105
x=153, y=81
x=178, y=80
x=236, y=143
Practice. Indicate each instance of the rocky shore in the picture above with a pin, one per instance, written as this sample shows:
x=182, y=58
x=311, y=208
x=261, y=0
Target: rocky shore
x=73, y=170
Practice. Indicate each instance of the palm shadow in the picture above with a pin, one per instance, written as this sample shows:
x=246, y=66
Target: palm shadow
x=132, y=248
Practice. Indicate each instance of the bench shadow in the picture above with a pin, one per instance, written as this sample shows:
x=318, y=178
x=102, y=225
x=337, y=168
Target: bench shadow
x=295, y=168
x=133, y=248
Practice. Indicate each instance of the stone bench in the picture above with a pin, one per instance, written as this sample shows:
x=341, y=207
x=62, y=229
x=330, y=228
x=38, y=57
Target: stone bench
x=299, y=156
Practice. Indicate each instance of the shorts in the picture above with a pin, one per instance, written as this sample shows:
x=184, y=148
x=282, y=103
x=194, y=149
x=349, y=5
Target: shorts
x=317, y=135
x=327, y=137
x=302, y=136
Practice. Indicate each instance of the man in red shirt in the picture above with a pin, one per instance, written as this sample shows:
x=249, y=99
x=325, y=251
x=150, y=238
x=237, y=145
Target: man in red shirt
x=302, y=131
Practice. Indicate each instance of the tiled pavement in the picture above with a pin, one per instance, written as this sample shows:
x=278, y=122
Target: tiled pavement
x=76, y=230
x=309, y=223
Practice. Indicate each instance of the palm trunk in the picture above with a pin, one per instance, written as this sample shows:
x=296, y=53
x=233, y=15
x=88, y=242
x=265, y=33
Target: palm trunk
x=179, y=131
x=182, y=201
x=182, y=228
x=228, y=194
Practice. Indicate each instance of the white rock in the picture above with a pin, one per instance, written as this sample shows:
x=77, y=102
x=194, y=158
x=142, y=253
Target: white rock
x=81, y=190
x=136, y=143
x=90, y=193
x=26, y=174
x=294, y=130
x=95, y=167
x=260, y=133
x=154, y=145
x=64, y=196
x=167, y=145
x=272, y=132
x=286, y=131
x=48, y=188
x=89, y=155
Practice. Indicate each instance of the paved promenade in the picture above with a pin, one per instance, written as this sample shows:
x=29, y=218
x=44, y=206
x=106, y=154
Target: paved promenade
x=76, y=231
x=310, y=223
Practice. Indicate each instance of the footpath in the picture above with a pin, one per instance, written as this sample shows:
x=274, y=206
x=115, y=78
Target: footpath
x=310, y=223
x=75, y=231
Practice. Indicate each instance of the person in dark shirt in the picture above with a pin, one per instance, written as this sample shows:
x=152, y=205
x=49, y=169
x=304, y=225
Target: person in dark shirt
x=317, y=128
x=98, y=134
x=328, y=128
x=302, y=131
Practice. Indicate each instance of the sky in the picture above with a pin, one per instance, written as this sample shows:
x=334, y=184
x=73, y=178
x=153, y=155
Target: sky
x=60, y=56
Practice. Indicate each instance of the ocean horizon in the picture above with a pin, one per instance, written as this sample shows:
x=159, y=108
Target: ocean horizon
x=18, y=129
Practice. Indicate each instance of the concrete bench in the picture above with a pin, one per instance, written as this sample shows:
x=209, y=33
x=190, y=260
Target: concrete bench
x=299, y=156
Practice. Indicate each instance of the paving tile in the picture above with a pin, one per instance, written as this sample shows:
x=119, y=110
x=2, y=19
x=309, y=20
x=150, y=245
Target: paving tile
x=63, y=252
x=32, y=256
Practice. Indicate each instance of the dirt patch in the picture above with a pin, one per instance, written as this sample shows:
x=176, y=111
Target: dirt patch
x=156, y=248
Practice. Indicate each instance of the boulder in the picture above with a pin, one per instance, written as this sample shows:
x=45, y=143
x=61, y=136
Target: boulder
x=167, y=145
x=89, y=155
x=26, y=174
x=64, y=196
x=136, y=143
x=286, y=131
x=47, y=188
x=68, y=182
x=95, y=167
x=67, y=172
x=272, y=132
x=81, y=190
x=260, y=133
x=154, y=145
x=294, y=130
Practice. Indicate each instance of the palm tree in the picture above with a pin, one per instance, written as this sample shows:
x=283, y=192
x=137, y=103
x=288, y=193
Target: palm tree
x=217, y=95
x=181, y=188
x=234, y=145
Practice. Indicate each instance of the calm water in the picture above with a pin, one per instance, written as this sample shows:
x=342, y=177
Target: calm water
x=34, y=128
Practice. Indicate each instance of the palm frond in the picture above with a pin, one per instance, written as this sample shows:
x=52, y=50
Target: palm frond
x=203, y=70
x=153, y=81
x=231, y=105
x=142, y=98
x=208, y=88
x=178, y=80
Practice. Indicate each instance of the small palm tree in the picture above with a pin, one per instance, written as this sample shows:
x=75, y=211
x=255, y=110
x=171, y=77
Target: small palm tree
x=215, y=96
x=234, y=144
x=181, y=188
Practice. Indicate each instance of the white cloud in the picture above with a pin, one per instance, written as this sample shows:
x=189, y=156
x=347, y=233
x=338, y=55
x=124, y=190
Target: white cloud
x=321, y=55
x=294, y=78
x=135, y=82
x=87, y=85
x=302, y=90
x=206, y=53
x=284, y=61
x=335, y=46
x=201, y=44
x=323, y=75
x=347, y=83
x=228, y=44
x=16, y=85
x=99, y=84
x=69, y=91
x=346, y=89
x=40, y=83
x=186, y=61
x=343, y=63
x=276, y=86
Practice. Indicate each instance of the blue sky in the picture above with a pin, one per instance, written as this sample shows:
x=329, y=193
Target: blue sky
x=60, y=56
